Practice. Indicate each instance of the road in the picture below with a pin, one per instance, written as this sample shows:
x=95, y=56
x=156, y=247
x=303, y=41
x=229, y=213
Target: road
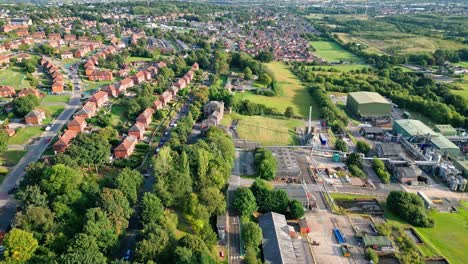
x=233, y=228
x=7, y=202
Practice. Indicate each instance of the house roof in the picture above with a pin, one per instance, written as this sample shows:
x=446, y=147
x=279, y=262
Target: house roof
x=35, y=112
x=99, y=95
x=136, y=127
x=77, y=121
x=67, y=136
x=127, y=143
x=277, y=244
x=368, y=97
x=390, y=149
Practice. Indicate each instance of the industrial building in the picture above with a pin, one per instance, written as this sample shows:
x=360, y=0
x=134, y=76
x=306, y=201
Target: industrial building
x=409, y=128
x=368, y=105
x=445, y=146
x=446, y=130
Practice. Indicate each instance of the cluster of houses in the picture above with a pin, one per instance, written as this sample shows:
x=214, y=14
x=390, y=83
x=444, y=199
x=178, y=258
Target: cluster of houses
x=55, y=75
x=168, y=95
x=91, y=70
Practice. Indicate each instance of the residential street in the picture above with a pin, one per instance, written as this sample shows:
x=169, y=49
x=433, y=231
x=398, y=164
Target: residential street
x=7, y=203
x=233, y=228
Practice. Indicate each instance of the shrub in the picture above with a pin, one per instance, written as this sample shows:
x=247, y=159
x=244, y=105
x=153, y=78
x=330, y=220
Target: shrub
x=410, y=207
x=372, y=256
x=379, y=168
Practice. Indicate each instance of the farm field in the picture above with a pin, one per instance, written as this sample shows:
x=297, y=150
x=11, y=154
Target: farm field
x=15, y=77
x=268, y=130
x=449, y=235
x=292, y=93
x=343, y=67
x=397, y=42
x=23, y=135
x=332, y=52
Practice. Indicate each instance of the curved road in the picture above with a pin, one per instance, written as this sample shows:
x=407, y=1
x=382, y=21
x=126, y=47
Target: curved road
x=7, y=202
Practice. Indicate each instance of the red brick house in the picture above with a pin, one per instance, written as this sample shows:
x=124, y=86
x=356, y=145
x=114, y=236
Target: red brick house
x=4, y=59
x=100, y=98
x=78, y=124
x=35, y=117
x=57, y=87
x=67, y=55
x=28, y=91
x=54, y=36
x=126, y=83
x=64, y=141
x=39, y=35
x=166, y=97
x=180, y=84
x=101, y=76
x=7, y=91
x=195, y=67
x=157, y=104
x=126, y=148
x=137, y=131
x=145, y=117
x=139, y=77
x=111, y=90
x=173, y=90
x=87, y=111
x=69, y=38
x=161, y=64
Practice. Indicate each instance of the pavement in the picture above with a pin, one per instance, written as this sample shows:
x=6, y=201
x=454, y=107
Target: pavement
x=7, y=202
x=233, y=228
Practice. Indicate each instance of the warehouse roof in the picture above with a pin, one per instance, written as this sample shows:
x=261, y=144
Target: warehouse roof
x=277, y=244
x=380, y=241
x=442, y=142
x=446, y=129
x=368, y=97
x=415, y=127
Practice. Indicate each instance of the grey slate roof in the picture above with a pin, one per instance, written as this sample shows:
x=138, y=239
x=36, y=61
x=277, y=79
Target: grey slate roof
x=277, y=244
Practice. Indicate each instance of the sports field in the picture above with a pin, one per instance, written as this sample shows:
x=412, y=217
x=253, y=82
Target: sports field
x=268, y=130
x=292, y=93
x=332, y=52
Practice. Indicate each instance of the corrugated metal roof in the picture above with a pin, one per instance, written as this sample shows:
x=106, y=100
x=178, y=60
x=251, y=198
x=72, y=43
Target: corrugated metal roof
x=368, y=97
x=277, y=243
x=415, y=127
x=442, y=142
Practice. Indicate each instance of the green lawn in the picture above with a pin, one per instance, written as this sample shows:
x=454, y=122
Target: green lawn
x=117, y=115
x=292, y=93
x=332, y=52
x=345, y=196
x=449, y=235
x=23, y=135
x=11, y=157
x=343, y=67
x=463, y=64
x=56, y=99
x=14, y=76
x=52, y=111
x=464, y=85
x=132, y=59
x=268, y=130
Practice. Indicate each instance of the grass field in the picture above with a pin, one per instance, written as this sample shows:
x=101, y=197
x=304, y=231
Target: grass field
x=268, y=130
x=343, y=67
x=332, y=52
x=56, y=99
x=463, y=84
x=11, y=157
x=132, y=59
x=463, y=64
x=14, y=76
x=449, y=235
x=23, y=135
x=292, y=93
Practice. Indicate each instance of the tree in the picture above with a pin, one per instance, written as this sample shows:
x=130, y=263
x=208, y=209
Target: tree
x=39, y=220
x=279, y=201
x=363, y=147
x=23, y=105
x=265, y=56
x=90, y=149
x=128, y=181
x=265, y=163
x=250, y=256
x=60, y=179
x=251, y=234
x=3, y=141
x=262, y=191
x=19, y=246
x=289, y=112
x=372, y=256
x=244, y=201
x=354, y=159
x=341, y=145
x=31, y=196
x=100, y=227
x=183, y=255
x=151, y=208
x=265, y=79
x=84, y=249
x=410, y=207
x=296, y=209
x=379, y=168
x=117, y=207
x=213, y=199
x=155, y=242
x=248, y=73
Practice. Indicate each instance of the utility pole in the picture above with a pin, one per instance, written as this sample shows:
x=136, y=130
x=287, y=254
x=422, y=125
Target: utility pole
x=309, y=126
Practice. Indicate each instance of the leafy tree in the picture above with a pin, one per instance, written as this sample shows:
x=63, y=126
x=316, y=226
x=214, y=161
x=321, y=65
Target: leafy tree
x=84, y=249
x=100, y=227
x=60, y=179
x=289, y=112
x=128, y=182
x=155, y=242
x=31, y=196
x=193, y=242
x=280, y=201
x=251, y=256
x=39, y=220
x=3, y=141
x=244, y=201
x=90, y=149
x=213, y=199
x=23, y=105
x=362, y=147
x=379, y=168
x=19, y=246
x=251, y=234
x=356, y=171
x=354, y=159
x=151, y=208
x=248, y=73
x=117, y=207
x=296, y=209
x=265, y=56
x=341, y=145
x=262, y=191
x=372, y=256
x=265, y=163
x=265, y=79
x=410, y=207
x=183, y=255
